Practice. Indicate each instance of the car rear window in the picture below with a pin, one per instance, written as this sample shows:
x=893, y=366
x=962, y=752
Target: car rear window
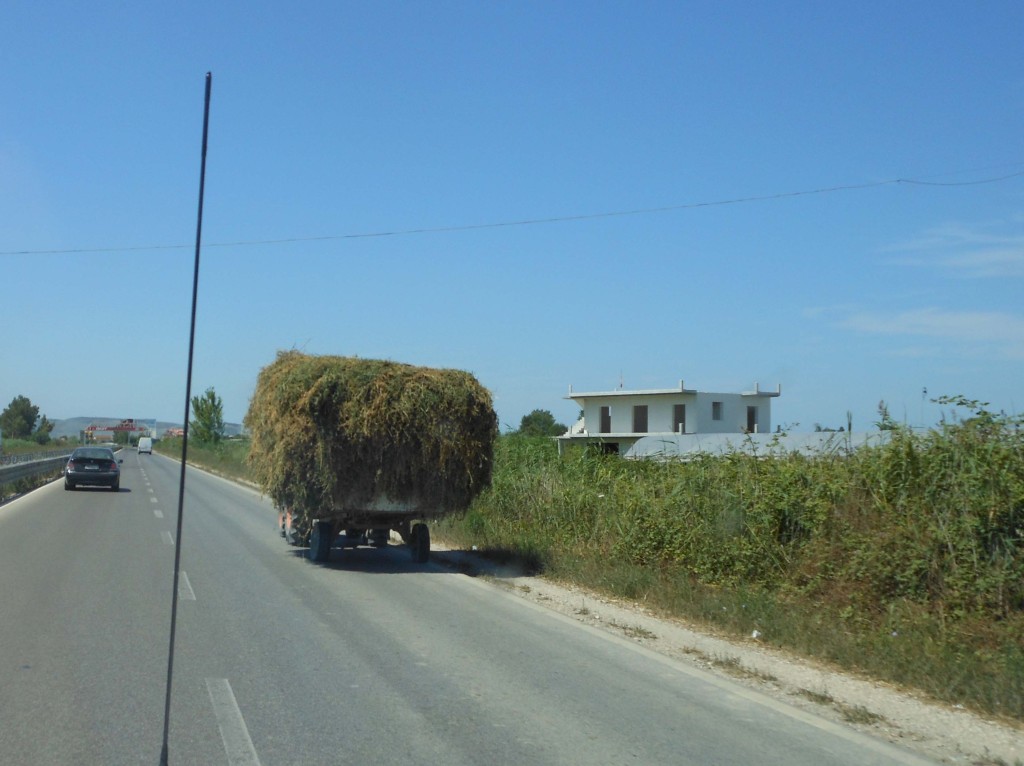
x=92, y=454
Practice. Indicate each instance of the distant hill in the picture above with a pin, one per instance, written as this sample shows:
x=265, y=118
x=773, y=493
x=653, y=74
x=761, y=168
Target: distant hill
x=72, y=427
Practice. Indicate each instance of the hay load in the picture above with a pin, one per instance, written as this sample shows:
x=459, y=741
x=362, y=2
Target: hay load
x=369, y=442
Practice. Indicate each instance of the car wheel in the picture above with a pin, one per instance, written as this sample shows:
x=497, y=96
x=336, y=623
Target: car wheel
x=115, y=487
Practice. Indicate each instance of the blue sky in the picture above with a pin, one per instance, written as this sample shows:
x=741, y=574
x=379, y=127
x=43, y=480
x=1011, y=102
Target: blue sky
x=430, y=123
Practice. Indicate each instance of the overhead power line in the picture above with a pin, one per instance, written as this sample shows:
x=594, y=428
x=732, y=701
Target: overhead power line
x=536, y=221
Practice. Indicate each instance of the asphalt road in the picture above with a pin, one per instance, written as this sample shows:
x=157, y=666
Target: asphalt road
x=370, y=659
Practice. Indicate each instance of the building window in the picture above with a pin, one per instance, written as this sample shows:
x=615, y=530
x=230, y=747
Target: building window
x=716, y=410
x=752, y=420
x=606, y=420
x=640, y=419
x=679, y=418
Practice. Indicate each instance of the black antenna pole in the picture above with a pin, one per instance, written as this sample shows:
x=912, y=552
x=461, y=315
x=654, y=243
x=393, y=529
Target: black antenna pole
x=184, y=441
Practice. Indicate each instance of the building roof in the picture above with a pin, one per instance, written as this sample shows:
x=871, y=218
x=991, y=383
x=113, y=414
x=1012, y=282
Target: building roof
x=689, y=445
x=662, y=392
x=623, y=392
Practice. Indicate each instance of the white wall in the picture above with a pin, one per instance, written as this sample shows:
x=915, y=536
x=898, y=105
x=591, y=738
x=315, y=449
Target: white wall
x=734, y=413
x=660, y=412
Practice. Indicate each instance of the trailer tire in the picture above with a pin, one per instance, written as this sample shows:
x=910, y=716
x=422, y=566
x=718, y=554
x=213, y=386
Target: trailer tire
x=419, y=543
x=321, y=537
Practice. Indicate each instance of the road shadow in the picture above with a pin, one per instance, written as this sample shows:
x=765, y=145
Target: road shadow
x=391, y=559
x=500, y=564
x=397, y=559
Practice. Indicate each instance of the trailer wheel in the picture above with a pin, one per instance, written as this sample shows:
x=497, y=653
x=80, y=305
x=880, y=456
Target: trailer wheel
x=419, y=543
x=320, y=539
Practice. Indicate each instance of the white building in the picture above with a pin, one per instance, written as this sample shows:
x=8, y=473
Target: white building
x=617, y=419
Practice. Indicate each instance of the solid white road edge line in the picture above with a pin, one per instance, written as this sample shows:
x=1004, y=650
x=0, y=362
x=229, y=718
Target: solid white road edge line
x=233, y=731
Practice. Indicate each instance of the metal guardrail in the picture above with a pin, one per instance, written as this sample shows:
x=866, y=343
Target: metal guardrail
x=25, y=457
x=26, y=468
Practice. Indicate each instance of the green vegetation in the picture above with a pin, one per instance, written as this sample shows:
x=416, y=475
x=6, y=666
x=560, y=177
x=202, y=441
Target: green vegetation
x=22, y=446
x=540, y=423
x=227, y=457
x=207, y=422
x=904, y=562
x=20, y=420
x=27, y=484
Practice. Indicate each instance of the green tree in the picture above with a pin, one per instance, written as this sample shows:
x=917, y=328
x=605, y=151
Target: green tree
x=19, y=419
x=42, y=433
x=540, y=423
x=208, y=422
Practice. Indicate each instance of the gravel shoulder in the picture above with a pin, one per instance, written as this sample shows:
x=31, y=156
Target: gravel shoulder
x=947, y=733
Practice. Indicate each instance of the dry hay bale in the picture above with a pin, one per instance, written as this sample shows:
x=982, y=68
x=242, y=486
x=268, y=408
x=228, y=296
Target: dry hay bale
x=335, y=433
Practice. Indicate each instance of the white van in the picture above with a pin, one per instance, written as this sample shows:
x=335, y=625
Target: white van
x=145, y=445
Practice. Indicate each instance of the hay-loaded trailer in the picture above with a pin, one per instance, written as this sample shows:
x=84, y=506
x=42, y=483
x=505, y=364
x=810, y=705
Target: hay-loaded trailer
x=363, y=447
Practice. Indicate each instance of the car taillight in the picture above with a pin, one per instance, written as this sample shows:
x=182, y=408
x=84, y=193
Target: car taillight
x=113, y=466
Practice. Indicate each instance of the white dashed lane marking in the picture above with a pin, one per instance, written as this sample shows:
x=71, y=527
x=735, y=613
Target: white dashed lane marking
x=185, y=591
x=233, y=731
